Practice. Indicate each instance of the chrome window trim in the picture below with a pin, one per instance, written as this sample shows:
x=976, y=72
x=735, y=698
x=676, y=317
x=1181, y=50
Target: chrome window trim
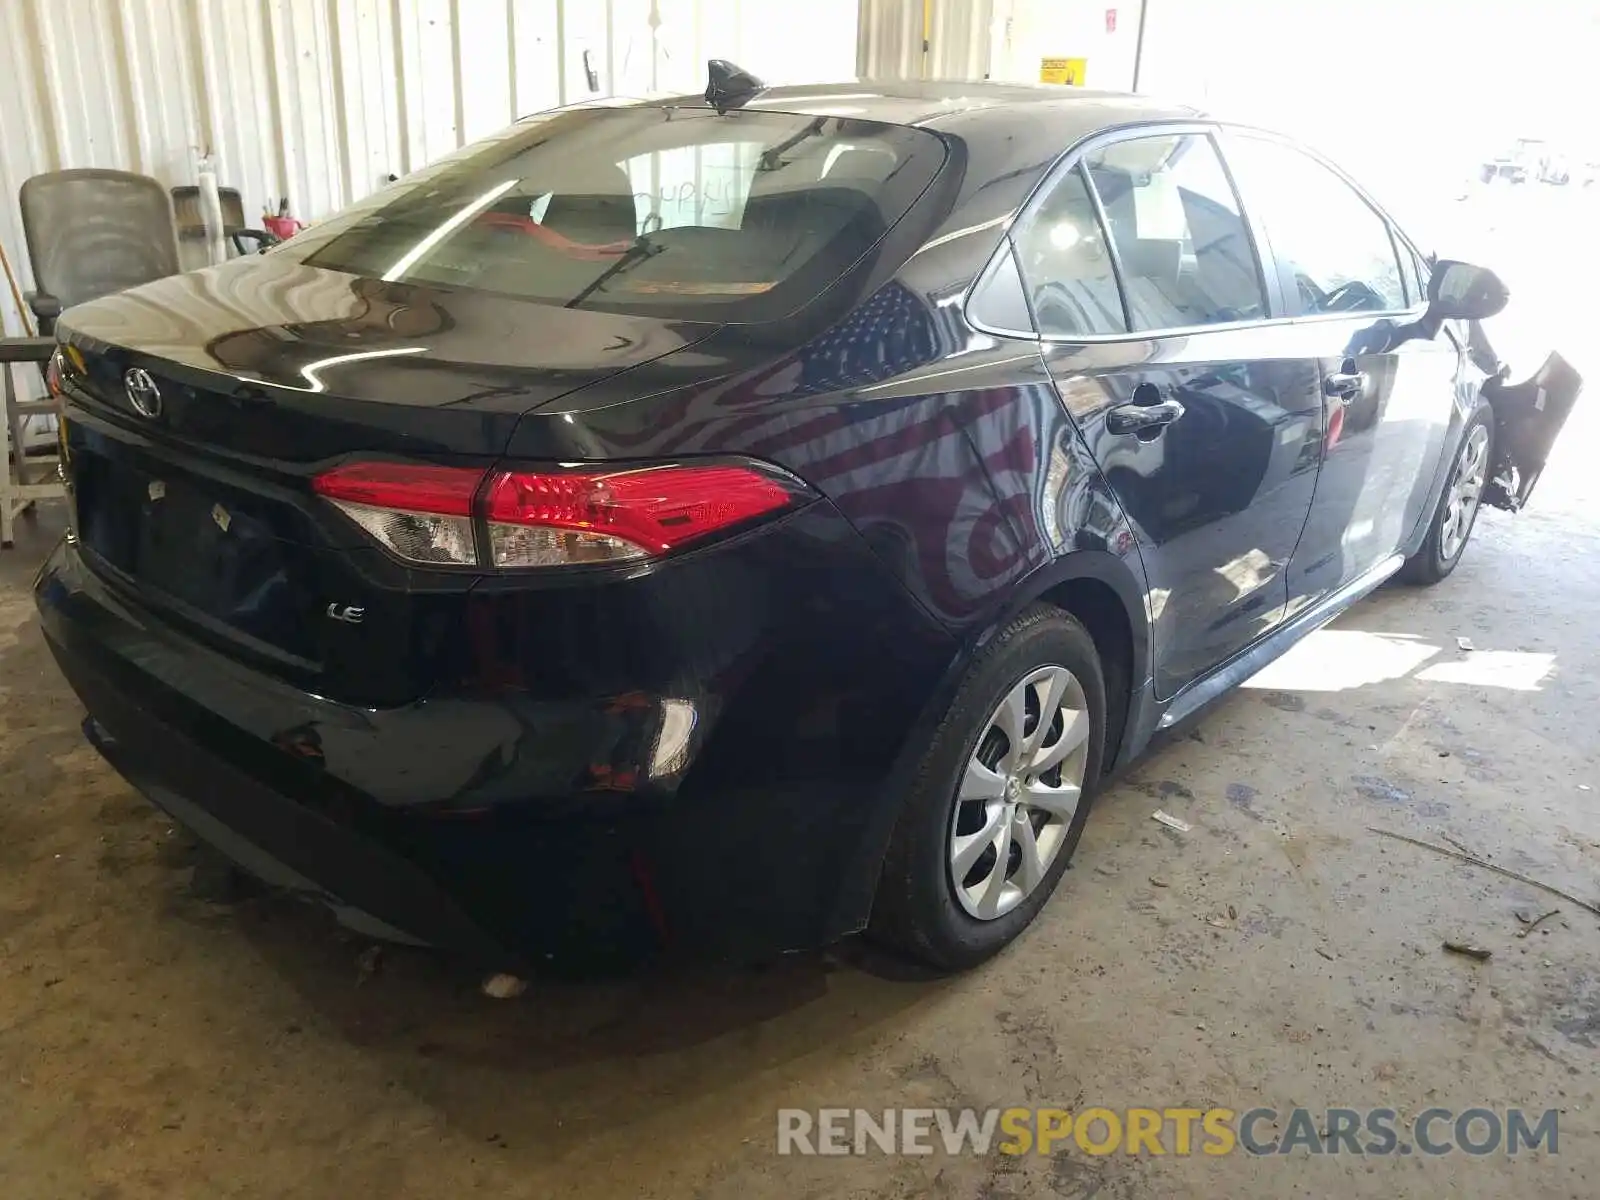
x=1070, y=159
x=1098, y=339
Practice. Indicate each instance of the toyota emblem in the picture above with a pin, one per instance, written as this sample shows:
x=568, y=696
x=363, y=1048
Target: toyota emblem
x=142, y=392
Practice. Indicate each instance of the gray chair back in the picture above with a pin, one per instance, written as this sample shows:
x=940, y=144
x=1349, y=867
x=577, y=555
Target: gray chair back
x=191, y=219
x=93, y=232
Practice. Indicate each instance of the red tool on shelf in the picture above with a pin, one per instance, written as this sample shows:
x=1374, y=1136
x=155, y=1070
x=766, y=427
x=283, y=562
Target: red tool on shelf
x=283, y=226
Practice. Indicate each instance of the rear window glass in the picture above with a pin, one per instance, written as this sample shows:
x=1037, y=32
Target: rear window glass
x=743, y=216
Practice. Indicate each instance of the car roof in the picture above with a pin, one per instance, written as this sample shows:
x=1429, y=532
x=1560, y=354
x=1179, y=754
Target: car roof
x=969, y=105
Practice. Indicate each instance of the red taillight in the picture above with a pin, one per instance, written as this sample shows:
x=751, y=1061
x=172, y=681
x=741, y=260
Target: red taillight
x=444, y=491
x=53, y=374
x=547, y=518
x=65, y=366
x=551, y=518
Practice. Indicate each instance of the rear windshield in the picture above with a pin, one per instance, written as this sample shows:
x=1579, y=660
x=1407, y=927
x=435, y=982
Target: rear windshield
x=743, y=216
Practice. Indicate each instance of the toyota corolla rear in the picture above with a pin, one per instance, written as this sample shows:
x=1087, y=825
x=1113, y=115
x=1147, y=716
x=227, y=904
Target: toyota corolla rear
x=568, y=704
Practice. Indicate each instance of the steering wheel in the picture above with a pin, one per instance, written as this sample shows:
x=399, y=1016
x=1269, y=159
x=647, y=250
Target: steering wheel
x=1312, y=298
x=1354, y=296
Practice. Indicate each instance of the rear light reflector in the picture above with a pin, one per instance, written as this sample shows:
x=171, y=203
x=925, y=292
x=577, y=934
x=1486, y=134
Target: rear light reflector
x=545, y=519
x=531, y=546
x=552, y=518
x=422, y=513
x=418, y=537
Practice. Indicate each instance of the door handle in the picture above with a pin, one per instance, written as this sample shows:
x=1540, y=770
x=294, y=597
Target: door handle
x=1344, y=385
x=1143, y=418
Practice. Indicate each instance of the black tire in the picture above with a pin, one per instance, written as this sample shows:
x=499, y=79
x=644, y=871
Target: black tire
x=1429, y=564
x=916, y=911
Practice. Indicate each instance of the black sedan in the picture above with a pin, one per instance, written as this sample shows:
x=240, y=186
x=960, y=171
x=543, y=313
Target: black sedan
x=721, y=525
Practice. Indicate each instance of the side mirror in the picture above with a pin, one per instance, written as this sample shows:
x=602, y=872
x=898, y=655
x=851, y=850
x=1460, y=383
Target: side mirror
x=1459, y=291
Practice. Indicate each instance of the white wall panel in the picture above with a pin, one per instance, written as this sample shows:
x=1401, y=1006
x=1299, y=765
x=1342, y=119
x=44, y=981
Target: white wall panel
x=321, y=100
x=958, y=35
x=1030, y=30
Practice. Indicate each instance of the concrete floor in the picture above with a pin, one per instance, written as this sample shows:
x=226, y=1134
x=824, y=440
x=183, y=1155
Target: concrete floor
x=155, y=1044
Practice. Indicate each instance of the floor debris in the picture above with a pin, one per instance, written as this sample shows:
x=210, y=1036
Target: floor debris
x=1476, y=952
x=1464, y=643
x=367, y=963
x=1529, y=926
x=1154, y=882
x=1324, y=953
x=1171, y=822
x=1586, y=905
x=504, y=987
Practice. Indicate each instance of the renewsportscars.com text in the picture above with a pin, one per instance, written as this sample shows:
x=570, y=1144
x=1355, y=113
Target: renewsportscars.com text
x=1179, y=1132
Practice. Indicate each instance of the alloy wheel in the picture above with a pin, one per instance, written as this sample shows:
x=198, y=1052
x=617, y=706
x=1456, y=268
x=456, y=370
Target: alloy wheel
x=1019, y=793
x=1466, y=487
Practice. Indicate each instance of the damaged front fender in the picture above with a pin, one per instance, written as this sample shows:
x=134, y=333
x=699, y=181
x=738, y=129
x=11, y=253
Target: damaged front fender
x=1528, y=417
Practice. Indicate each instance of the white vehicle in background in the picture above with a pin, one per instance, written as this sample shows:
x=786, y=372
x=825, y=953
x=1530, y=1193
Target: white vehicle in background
x=1527, y=158
x=1554, y=167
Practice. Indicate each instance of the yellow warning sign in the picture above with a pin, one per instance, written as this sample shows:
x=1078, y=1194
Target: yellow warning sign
x=1063, y=70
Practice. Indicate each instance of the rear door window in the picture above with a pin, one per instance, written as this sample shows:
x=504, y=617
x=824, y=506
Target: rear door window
x=1335, y=247
x=1066, y=264
x=1183, y=249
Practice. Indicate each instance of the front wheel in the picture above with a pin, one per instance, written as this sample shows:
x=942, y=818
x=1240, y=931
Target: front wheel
x=1000, y=798
x=1458, y=506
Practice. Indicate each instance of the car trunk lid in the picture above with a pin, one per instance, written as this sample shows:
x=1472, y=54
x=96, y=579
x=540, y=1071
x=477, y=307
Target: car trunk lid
x=197, y=417
x=274, y=361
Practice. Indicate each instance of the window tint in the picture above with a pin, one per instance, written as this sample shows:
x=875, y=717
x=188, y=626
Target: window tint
x=1000, y=301
x=1066, y=266
x=705, y=185
x=744, y=216
x=1335, y=245
x=1183, y=248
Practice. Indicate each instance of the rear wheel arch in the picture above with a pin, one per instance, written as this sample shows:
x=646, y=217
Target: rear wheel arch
x=1102, y=611
x=1101, y=590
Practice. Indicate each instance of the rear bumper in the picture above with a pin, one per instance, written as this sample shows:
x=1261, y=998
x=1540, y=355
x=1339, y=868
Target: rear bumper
x=164, y=746
x=274, y=839
x=430, y=822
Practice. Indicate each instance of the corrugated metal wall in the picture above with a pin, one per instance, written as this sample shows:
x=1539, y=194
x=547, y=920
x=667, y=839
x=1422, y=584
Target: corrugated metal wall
x=323, y=99
x=958, y=32
x=1000, y=39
